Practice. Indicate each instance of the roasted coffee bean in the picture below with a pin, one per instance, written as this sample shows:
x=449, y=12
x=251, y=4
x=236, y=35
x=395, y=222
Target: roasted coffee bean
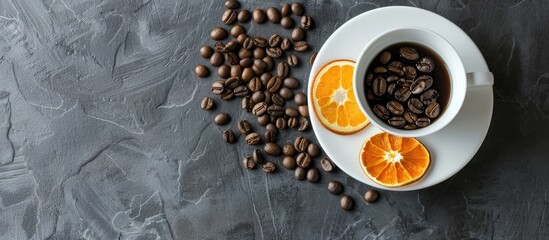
x=259, y=53
x=202, y=71
x=293, y=60
x=259, y=16
x=429, y=96
x=313, y=150
x=232, y=4
x=258, y=96
x=206, y=51
x=236, y=71
x=307, y=22
x=370, y=94
x=273, y=15
x=248, y=43
x=244, y=127
x=257, y=156
x=423, y=122
x=263, y=120
x=335, y=187
x=303, y=124
x=416, y=106
x=268, y=167
x=391, y=88
x=369, y=79
x=425, y=64
x=404, y=82
x=265, y=78
x=289, y=162
x=432, y=110
x=248, y=162
x=272, y=149
x=418, y=86
x=286, y=10
x=402, y=94
x=255, y=85
x=270, y=136
x=275, y=40
x=277, y=99
x=300, y=173
x=291, y=112
x=303, y=110
x=236, y=30
x=218, y=87
x=300, y=98
x=380, y=111
x=280, y=123
x=379, y=87
x=346, y=202
x=222, y=118
x=395, y=108
x=380, y=70
x=275, y=110
x=291, y=82
x=247, y=104
x=245, y=54
x=270, y=63
x=244, y=63
x=232, y=83
x=286, y=44
x=259, y=108
x=410, y=72
x=392, y=78
x=261, y=42
x=283, y=69
x=229, y=16
x=410, y=126
x=297, y=9
x=274, y=84
x=228, y=136
x=232, y=58
x=247, y=74
x=301, y=46
x=241, y=38
x=298, y=34
x=253, y=138
x=227, y=94
x=287, y=22
x=286, y=93
x=384, y=57
x=327, y=164
x=218, y=33
x=397, y=122
x=217, y=59
x=396, y=67
x=224, y=71
x=244, y=16
x=207, y=103
x=371, y=196
x=269, y=97
x=241, y=91
x=274, y=52
x=301, y=144
x=428, y=80
x=272, y=127
x=312, y=59
x=303, y=160
x=293, y=122
x=409, y=53
x=410, y=117
x=220, y=47
x=289, y=150
x=260, y=64
x=313, y=175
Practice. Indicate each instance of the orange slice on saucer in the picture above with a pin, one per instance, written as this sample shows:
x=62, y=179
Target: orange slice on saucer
x=333, y=98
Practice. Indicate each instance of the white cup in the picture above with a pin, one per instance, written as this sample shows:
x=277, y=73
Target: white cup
x=459, y=79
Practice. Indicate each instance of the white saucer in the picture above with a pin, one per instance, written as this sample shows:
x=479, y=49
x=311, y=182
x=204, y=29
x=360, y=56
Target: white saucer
x=452, y=147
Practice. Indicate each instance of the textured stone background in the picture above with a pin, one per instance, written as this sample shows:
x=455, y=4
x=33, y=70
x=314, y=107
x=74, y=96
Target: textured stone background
x=101, y=135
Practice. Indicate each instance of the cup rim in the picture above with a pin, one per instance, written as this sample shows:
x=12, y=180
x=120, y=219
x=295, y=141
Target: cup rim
x=456, y=98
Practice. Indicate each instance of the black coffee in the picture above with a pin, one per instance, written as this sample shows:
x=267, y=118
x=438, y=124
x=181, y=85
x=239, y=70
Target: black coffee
x=408, y=86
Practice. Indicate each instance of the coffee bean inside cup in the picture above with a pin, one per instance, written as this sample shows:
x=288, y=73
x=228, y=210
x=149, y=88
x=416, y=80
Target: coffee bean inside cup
x=407, y=86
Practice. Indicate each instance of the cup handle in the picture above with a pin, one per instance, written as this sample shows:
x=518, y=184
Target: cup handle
x=475, y=79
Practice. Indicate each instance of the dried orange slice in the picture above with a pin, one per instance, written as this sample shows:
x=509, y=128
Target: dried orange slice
x=334, y=100
x=394, y=161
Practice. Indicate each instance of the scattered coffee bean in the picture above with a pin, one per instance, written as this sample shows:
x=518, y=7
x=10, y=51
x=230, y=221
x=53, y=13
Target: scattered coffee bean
x=277, y=99
x=293, y=60
x=283, y=69
x=218, y=33
x=274, y=52
x=307, y=22
x=247, y=104
x=335, y=187
x=291, y=112
x=232, y=83
x=202, y=71
x=396, y=67
x=272, y=149
x=257, y=156
x=327, y=164
x=247, y=74
x=303, y=111
x=253, y=138
x=207, y=103
x=301, y=144
x=402, y=94
x=410, y=117
x=379, y=86
x=312, y=59
x=263, y=120
x=371, y=196
x=313, y=150
x=298, y=34
x=228, y=136
x=224, y=71
x=268, y=167
x=286, y=10
x=287, y=22
x=297, y=9
x=270, y=136
x=346, y=202
x=313, y=175
x=274, y=84
x=245, y=54
x=286, y=93
x=291, y=82
x=380, y=69
x=301, y=46
x=425, y=64
x=259, y=53
x=259, y=16
x=395, y=108
x=303, y=160
x=231, y=58
x=300, y=173
x=248, y=44
x=244, y=127
x=241, y=38
x=232, y=4
x=229, y=16
x=293, y=122
x=259, y=108
x=423, y=122
x=248, y=162
x=218, y=87
x=280, y=123
x=206, y=51
x=432, y=110
x=255, y=85
x=236, y=30
x=397, y=122
x=222, y=118
x=275, y=110
x=409, y=53
x=289, y=163
x=275, y=40
x=227, y=95
x=416, y=106
x=268, y=96
x=273, y=15
x=289, y=150
x=429, y=96
x=300, y=98
x=381, y=111
x=244, y=16
x=303, y=124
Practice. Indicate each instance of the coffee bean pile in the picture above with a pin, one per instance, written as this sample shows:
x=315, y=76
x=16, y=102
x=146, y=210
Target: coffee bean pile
x=399, y=88
x=257, y=70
